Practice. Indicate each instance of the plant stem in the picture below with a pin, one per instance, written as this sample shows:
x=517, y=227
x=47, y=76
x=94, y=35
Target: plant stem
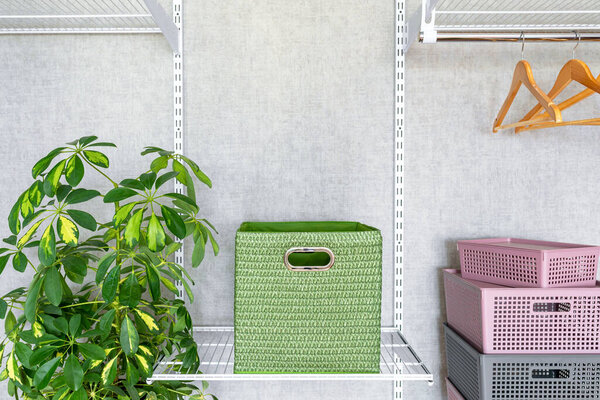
x=82, y=304
x=115, y=184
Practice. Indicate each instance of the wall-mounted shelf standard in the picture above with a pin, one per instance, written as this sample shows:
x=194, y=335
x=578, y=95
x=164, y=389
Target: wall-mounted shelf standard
x=216, y=350
x=87, y=16
x=504, y=20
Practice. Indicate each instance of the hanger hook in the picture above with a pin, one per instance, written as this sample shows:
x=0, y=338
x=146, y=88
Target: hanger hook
x=578, y=37
x=522, y=37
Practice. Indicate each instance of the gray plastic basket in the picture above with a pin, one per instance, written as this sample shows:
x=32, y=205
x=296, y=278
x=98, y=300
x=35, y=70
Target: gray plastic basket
x=516, y=377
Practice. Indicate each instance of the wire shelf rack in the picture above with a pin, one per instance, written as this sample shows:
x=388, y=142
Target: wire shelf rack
x=216, y=349
x=516, y=16
x=498, y=20
x=87, y=16
x=55, y=16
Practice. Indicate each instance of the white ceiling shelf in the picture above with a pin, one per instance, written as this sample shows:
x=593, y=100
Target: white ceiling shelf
x=87, y=16
x=216, y=350
x=504, y=20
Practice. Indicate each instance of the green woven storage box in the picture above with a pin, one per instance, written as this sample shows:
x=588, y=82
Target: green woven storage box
x=291, y=318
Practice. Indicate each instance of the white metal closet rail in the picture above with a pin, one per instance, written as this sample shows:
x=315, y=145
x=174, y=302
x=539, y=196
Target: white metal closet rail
x=216, y=350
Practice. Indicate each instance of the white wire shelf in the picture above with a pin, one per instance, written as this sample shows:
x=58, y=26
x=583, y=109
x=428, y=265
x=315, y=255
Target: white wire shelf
x=504, y=20
x=86, y=16
x=511, y=15
x=215, y=347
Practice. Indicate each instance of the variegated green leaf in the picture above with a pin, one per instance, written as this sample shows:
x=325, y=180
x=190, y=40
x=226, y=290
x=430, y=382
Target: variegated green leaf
x=96, y=158
x=26, y=206
x=74, y=171
x=47, y=247
x=52, y=179
x=30, y=232
x=143, y=364
x=12, y=367
x=148, y=320
x=92, y=351
x=123, y=213
x=129, y=337
x=67, y=231
x=20, y=261
x=109, y=372
x=13, y=217
x=156, y=234
x=44, y=163
x=132, y=229
x=36, y=193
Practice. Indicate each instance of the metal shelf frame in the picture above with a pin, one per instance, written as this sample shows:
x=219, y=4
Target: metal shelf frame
x=87, y=16
x=504, y=20
x=216, y=351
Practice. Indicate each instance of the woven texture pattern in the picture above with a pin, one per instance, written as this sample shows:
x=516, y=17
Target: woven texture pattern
x=308, y=322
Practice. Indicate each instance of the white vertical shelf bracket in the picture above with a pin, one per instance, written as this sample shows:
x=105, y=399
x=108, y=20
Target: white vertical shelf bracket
x=428, y=21
x=401, y=33
x=178, y=116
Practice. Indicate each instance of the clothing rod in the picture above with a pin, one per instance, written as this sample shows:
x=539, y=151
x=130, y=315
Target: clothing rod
x=515, y=36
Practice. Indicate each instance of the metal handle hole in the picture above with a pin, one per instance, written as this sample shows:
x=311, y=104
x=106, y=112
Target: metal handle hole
x=309, y=259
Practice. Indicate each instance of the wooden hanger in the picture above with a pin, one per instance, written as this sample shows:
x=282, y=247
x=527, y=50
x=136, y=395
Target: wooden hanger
x=573, y=70
x=524, y=76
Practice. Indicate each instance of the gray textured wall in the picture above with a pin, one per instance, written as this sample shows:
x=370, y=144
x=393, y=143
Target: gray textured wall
x=290, y=111
x=464, y=182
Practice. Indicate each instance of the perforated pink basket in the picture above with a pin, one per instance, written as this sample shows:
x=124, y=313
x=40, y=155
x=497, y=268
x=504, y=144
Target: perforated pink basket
x=497, y=319
x=529, y=263
x=453, y=393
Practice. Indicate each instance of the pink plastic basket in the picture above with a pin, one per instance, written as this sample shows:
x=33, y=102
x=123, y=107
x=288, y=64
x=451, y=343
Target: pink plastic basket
x=497, y=319
x=529, y=263
x=453, y=393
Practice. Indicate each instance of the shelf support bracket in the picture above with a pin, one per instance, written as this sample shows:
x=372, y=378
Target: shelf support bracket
x=428, y=21
x=165, y=23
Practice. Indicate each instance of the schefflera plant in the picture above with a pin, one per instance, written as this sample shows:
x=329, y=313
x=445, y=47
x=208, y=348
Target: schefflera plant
x=101, y=311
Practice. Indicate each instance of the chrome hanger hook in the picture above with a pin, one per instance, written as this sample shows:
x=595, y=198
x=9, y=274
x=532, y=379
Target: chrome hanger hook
x=578, y=36
x=522, y=37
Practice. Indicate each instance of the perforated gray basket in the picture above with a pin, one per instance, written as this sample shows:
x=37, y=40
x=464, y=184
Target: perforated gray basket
x=516, y=377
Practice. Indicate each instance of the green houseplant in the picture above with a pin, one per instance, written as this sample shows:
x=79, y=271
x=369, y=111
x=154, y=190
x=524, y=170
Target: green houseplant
x=100, y=311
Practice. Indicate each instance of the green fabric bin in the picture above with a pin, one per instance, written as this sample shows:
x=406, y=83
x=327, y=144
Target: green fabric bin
x=307, y=297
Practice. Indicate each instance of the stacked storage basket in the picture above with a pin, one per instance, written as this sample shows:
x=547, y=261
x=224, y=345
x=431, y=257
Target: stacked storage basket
x=523, y=321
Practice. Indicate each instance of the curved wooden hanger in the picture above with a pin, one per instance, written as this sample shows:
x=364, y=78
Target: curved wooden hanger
x=573, y=70
x=524, y=76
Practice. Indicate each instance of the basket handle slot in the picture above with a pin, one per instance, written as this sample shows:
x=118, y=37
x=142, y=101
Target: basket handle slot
x=550, y=373
x=309, y=259
x=552, y=307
